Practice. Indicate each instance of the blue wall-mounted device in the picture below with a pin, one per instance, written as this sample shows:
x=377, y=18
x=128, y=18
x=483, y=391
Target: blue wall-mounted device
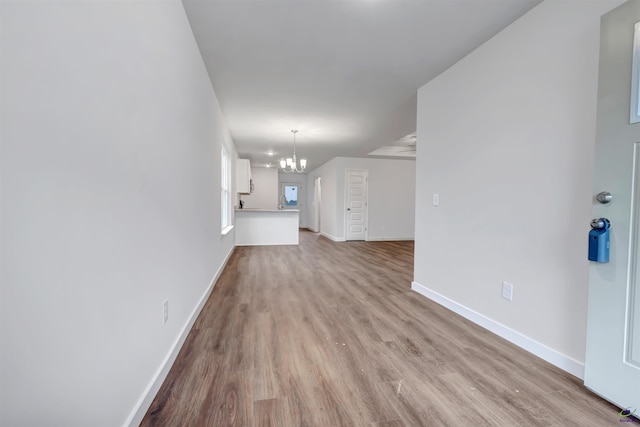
x=599, y=240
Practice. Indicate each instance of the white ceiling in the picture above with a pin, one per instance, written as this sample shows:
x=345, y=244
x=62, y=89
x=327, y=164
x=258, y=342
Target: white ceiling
x=343, y=72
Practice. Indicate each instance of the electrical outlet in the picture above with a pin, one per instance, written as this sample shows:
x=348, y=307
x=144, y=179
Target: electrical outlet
x=436, y=199
x=507, y=291
x=165, y=312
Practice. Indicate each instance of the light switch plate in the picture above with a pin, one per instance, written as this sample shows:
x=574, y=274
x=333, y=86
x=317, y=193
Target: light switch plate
x=507, y=291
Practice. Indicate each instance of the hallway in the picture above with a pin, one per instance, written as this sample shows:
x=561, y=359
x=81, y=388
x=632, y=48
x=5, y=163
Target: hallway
x=329, y=334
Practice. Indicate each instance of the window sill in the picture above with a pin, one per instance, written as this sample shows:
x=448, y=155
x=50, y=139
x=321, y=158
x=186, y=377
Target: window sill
x=227, y=230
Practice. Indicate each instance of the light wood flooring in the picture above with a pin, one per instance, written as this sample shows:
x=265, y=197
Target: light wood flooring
x=330, y=334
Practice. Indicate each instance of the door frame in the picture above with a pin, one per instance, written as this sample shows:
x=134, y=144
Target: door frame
x=317, y=203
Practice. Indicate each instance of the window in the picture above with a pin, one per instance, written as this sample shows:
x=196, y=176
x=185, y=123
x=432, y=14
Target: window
x=289, y=196
x=225, y=192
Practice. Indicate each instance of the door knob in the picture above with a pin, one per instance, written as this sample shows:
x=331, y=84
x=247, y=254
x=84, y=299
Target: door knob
x=600, y=223
x=604, y=197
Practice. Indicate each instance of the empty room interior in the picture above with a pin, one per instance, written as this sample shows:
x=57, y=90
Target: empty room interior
x=319, y=213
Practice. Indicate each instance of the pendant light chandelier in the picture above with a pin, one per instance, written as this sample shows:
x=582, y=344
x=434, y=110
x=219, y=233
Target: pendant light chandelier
x=290, y=165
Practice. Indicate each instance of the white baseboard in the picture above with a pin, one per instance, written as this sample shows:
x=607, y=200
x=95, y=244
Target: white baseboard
x=141, y=408
x=552, y=356
x=330, y=237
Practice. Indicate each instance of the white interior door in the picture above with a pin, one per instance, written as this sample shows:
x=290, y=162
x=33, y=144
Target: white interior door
x=317, y=202
x=356, y=205
x=612, y=363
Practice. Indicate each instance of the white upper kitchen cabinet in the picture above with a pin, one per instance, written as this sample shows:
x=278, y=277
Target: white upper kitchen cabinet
x=243, y=176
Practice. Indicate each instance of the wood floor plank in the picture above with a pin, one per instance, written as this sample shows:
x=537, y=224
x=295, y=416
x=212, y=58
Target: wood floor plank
x=390, y=423
x=196, y=369
x=272, y=413
x=329, y=334
x=266, y=381
x=229, y=401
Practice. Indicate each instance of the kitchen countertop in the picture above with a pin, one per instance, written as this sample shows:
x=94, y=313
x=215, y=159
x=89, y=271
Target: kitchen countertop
x=265, y=210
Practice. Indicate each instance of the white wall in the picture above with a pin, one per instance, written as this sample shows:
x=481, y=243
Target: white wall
x=265, y=189
x=111, y=138
x=301, y=180
x=506, y=137
x=328, y=172
x=391, y=196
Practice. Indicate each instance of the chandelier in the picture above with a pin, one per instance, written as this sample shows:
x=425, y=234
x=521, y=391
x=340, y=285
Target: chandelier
x=290, y=165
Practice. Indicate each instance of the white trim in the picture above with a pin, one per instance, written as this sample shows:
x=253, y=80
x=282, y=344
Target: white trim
x=227, y=230
x=330, y=237
x=634, y=108
x=226, y=183
x=143, y=404
x=550, y=355
x=633, y=275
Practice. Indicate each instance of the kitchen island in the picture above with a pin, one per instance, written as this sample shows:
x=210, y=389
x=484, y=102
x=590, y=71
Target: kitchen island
x=260, y=227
